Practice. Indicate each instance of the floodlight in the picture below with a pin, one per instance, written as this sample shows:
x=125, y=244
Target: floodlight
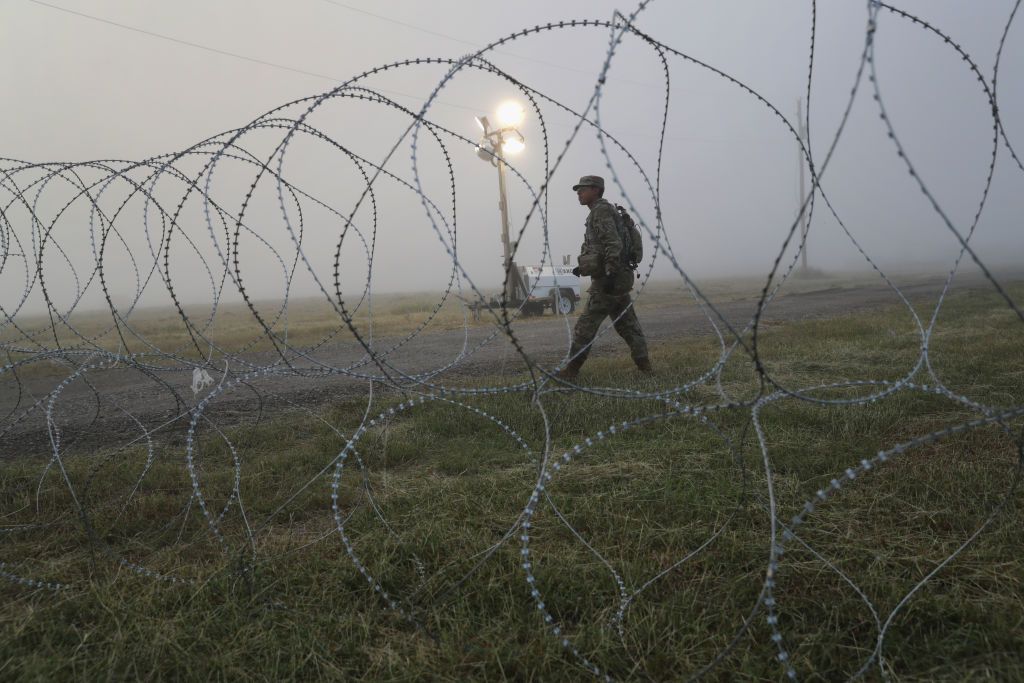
x=510, y=114
x=484, y=154
x=512, y=146
x=482, y=122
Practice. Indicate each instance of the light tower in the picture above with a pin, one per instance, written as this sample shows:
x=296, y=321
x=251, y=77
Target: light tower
x=495, y=144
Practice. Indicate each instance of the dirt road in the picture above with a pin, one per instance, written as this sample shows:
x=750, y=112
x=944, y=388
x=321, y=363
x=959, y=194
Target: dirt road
x=112, y=406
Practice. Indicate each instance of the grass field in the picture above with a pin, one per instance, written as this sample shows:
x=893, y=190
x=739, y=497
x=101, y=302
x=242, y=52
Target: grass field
x=447, y=484
x=306, y=322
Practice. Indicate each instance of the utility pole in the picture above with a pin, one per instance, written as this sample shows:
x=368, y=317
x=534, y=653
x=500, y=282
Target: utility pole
x=802, y=131
x=510, y=277
x=495, y=143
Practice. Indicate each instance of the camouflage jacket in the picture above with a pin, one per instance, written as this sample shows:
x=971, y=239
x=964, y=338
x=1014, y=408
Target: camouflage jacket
x=601, y=253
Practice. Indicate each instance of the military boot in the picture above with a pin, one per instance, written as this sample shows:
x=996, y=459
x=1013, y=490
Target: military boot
x=644, y=365
x=570, y=371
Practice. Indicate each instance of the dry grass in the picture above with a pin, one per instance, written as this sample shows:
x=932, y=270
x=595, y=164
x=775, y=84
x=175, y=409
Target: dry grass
x=309, y=322
x=449, y=483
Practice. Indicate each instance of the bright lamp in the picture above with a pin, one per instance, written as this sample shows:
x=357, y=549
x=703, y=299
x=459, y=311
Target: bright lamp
x=512, y=146
x=510, y=114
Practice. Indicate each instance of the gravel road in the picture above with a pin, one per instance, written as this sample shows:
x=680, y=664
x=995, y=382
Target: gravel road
x=117, y=404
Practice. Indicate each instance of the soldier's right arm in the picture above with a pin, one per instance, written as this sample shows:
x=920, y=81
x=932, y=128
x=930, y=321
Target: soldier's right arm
x=609, y=243
x=589, y=261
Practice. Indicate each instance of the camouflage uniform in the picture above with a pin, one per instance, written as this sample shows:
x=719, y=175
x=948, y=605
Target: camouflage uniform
x=600, y=258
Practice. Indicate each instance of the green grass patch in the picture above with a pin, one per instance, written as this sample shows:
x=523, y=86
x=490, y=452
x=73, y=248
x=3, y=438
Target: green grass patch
x=429, y=493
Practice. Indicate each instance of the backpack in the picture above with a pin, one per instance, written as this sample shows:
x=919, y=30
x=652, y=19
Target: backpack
x=632, y=244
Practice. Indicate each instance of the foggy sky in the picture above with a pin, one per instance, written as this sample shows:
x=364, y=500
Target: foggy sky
x=77, y=90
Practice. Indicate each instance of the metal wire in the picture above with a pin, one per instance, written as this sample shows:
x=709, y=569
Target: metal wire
x=172, y=188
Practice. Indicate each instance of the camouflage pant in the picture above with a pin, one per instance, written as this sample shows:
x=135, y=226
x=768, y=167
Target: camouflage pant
x=600, y=305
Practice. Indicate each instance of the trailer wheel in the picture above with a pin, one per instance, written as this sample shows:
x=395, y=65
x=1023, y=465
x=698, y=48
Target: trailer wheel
x=562, y=302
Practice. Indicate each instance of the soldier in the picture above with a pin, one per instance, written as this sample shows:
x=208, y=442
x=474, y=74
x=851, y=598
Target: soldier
x=602, y=259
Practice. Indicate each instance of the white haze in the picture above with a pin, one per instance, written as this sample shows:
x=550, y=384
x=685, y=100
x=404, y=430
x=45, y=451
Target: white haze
x=77, y=90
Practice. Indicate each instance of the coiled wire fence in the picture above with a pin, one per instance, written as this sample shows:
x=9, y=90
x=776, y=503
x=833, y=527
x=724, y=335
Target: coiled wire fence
x=127, y=200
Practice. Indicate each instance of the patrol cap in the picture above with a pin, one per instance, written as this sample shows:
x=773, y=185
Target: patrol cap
x=589, y=181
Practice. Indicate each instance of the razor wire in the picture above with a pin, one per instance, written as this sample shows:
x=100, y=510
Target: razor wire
x=35, y=252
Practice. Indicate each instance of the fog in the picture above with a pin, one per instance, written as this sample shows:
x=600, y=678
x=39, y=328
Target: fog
x=133, y=81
